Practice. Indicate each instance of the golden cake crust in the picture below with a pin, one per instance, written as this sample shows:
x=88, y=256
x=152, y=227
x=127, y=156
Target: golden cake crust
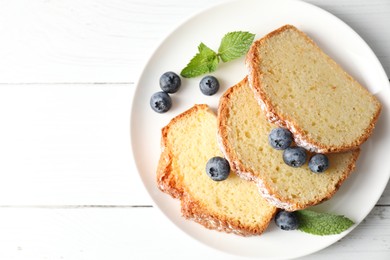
x=247, y=171
x=256, y=75
x=171, y=183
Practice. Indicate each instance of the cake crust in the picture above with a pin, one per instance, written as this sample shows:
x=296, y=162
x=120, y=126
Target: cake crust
x=256, y=75
x=171, y=183
x=243, y=168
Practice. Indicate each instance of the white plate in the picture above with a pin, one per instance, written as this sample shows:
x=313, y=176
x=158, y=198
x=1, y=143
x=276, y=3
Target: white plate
x=359, y=193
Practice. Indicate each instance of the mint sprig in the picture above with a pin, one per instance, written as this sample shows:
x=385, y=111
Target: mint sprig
x=322, y=223
x=233, y=45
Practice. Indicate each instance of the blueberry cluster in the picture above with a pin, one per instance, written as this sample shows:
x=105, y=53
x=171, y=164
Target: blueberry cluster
x=295, y=156
x=170, y=83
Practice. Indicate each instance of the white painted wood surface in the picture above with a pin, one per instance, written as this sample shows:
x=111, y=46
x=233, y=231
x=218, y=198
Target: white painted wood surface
x=69, y=188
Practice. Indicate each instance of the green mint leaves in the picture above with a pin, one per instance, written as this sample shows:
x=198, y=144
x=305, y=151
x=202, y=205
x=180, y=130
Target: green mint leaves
x=206, y=60
x=322, y=223
x=233, y=45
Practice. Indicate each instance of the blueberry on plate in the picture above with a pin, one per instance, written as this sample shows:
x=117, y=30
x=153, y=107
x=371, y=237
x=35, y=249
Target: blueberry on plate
x=286, y=220
x=160, y=102
x=280, y=138
x=218, y=168
x=209, y=85
x=318, y=163
x=170, y=82
x=294, y=156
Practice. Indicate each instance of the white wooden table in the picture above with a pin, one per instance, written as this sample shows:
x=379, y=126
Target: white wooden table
x=68, y=186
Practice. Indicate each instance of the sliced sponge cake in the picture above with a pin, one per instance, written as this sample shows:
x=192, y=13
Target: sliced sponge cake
x=303, y=89
x=233, y=205
x=243, y=136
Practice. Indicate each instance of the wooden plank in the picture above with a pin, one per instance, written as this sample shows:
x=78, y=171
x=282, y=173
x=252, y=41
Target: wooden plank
x=142, y=233
x=67, y=145
x=84, y=41
x=385, y=198
x=109, y=41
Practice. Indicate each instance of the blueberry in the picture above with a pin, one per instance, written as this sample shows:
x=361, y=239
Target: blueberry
x=318, y=163
x=218, y=168
x=294, y=156
x=170, y=82
x=280, y=138
x=209, y=85
x=286, y=220
x=160, y=102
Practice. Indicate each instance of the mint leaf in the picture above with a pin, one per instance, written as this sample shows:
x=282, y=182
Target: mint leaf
x=234, y=45
x=322, y=223
x=205, y=61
